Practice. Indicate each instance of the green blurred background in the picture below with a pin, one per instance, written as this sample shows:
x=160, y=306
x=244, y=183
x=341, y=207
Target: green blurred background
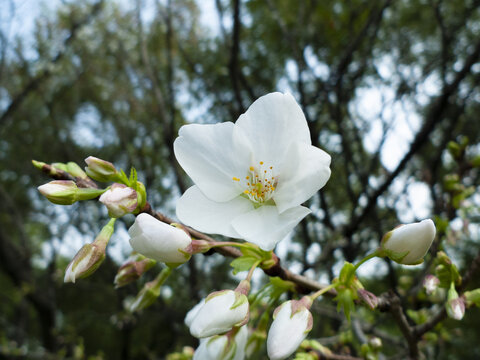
x=385, y=86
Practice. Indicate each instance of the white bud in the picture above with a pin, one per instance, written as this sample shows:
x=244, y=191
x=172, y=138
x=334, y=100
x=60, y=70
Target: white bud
x=159, y=241
x=222, y=311
x=430, y=283
x=456, y=308
x=61, y=192
x=119, y=200
x=408, y=244
x=290, y=327
x=221, y=347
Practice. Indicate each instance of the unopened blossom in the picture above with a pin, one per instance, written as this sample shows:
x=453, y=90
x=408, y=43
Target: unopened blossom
x=159, y=241
x=119, y=200
x=90, y=256
x=61, y=192
x=408, y=244
x=230, y=346
x=251, y=177
x=292, y=322
x=100, y=170
x=455, y=305
x=221, y=311
x=131, y=270
x=430, y=283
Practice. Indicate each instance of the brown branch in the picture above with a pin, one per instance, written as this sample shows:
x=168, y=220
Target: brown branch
x=233, y=65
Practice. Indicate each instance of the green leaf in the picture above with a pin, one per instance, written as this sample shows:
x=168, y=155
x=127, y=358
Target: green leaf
x=243, y=263
x=344, y=300
x=347, y=274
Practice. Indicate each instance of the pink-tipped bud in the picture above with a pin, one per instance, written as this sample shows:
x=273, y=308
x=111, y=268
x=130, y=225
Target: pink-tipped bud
x=119, y=200
x=61, y=192
x=90, y=256
x=430, y=283
x=100, y=170
x=135, y=266
x=368, y=298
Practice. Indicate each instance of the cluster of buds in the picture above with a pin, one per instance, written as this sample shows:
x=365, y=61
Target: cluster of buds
x=219, y=321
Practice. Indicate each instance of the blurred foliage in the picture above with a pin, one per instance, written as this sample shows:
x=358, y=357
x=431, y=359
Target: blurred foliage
x=117, y=79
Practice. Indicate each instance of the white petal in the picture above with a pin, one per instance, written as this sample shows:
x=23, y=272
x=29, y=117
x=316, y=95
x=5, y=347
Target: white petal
x=287, y=332
x=271, y=123
x=212, y=155
x=241, y=341
x=211, y=348
x=196, y=210
x=304, y=171
x=265, y=227
x=193, y=312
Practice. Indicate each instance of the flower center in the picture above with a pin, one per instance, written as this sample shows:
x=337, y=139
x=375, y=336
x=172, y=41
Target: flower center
x=259, y=183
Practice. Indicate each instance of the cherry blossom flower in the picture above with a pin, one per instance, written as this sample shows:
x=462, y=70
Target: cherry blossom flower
x=251, y=177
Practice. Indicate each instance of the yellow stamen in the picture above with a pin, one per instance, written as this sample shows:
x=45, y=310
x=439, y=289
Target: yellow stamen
x=261, y=162
x=235, y=179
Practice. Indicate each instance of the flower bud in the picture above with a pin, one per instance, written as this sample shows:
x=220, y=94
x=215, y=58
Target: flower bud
x=119, y=200
x=90, y=256
x=61, y=192
x=408, y=244
x=222, y=311
x=368, y=298
x=75, y=170
x=159, y=241
x=228, y=346
x=292, y=322
x=375, y=343
x=455, y=305
x=100, y=170
x=430, y=283
x=135, y=266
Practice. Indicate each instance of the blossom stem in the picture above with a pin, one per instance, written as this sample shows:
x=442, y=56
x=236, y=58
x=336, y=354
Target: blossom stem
x=229, y=243
x=162, y=277
x=322, y=291
x=250, y=272
x=377, y=252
